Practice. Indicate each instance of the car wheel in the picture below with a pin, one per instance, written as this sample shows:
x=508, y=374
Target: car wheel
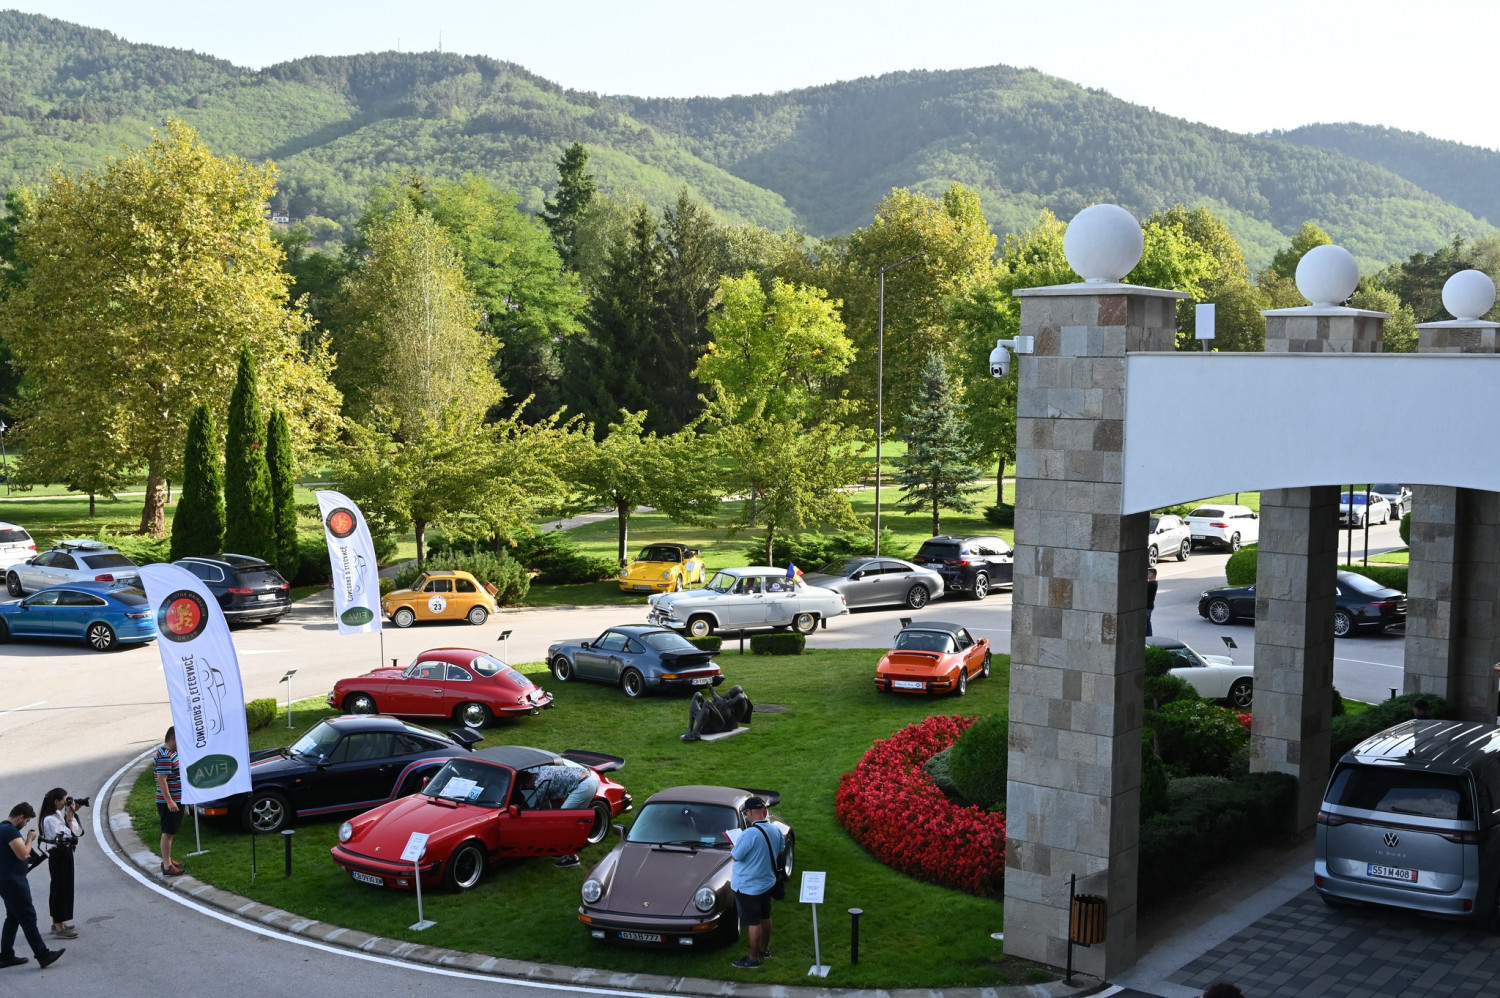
x=981, y=586
x=272, y=620
x=100, y=636
x=266, y=813
x=984, y=670
x=677, y=585
x=917, y=597
x=1220, y=612
x=1151, y=555
x=599, y=830
x=1185, y=550
x=13, y=585
x=804, y=622
x=1241, y=693
x=789, y=856
x=360, y=703
x=1234, y=543
x=633, y=685
x=403, y=617
x=464, y=867
x=472, y=715
x=478, y=615
x=961, y=687
x=699, y=627
x=562, y=669
x=1343, y=624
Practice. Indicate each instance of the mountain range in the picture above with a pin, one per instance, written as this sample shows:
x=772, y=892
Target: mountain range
x=818, y=159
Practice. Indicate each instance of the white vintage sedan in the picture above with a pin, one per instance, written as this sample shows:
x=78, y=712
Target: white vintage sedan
x=1215, y=677
x=746, y=599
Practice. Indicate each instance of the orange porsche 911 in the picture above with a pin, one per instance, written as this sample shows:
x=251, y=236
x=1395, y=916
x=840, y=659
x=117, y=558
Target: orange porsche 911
x=933, y=657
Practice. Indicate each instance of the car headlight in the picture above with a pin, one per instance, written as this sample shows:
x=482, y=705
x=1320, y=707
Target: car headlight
x=592, y=891
x=666, y=575
x=704, y=899
x=624, y=572
x=346, y=832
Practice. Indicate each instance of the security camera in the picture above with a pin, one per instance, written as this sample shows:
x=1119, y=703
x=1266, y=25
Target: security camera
x=1000, y=359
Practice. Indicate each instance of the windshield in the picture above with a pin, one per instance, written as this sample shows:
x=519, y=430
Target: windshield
x=471, y=781
x=1401, y=791
x=1360, y=498
x=938, y=641
x=1386, y=488
x=1360, y=584
x=1206, y=511
x=842, y=566
x=722, y=582
x=667, y=641
x=107, y=561
x=317, y=743
x=488, y=665
x=130, y=597
x=674, y=823
x=660, y=552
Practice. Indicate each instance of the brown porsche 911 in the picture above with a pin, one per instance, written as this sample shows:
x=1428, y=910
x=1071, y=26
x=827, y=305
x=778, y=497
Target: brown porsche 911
x=667, y=883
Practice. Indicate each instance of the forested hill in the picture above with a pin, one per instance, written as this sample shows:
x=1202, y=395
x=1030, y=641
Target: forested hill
x=818, y=159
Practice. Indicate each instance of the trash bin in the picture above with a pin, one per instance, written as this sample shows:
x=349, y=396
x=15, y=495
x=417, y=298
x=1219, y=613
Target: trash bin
x=1089, y=916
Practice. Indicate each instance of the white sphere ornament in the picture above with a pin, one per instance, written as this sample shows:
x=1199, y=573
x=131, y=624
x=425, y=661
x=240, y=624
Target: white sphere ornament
x=1327, y=275
x=1103, y=243
x=1469, y=294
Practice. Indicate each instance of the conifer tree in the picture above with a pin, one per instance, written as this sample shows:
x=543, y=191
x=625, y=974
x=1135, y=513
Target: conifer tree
x=198, y=523
x=575, y=191
x=283, y=467
x=938, y=468
x=250, y=523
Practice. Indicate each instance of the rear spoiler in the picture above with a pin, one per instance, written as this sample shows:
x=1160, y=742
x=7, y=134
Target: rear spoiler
x=467, y=737
x=595, y=760
x=771, y=797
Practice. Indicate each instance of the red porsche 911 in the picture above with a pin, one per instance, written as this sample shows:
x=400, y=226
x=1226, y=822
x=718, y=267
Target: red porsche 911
x=933, y=657
x=479, y=809
x=470, y=686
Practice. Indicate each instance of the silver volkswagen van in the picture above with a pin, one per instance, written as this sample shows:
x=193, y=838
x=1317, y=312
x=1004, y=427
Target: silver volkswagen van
x=1410, y=819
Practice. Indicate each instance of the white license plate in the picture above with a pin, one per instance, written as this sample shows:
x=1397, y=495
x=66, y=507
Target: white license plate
x=266, y=596
x=367, y=878
x=1392, y=873
x=640, y=588
x=641, y=937
x=703, y=680
x=909, y=684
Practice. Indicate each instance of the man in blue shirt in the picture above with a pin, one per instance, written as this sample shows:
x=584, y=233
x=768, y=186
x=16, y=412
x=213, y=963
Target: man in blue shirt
x=20, y=914
x=752, y=877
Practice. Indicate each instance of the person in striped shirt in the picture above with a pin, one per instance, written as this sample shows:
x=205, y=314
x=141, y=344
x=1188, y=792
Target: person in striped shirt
x=168, y=798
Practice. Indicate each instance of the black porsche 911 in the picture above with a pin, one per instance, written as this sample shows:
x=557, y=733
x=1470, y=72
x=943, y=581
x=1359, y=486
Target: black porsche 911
x=1361, y=602
x=342, y=764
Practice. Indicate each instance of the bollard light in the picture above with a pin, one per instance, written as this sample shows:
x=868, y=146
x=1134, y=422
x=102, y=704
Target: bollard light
x=286, y=837
x=854, y=914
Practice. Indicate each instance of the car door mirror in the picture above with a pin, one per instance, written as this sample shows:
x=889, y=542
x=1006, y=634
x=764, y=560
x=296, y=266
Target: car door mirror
x=856, y=576
x=514, y=810
x=585, y=644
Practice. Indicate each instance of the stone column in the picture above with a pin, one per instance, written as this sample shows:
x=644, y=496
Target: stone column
x=1294, y=584
x=1453, y=595
x=1079, y=623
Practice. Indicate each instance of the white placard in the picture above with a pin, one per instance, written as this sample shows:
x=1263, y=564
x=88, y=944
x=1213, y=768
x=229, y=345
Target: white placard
x=415, y=847
x=812, y=886
x=1203, y=322
x=458, y=788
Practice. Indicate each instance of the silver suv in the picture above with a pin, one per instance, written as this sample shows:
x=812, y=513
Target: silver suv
x=1409, y=819
x=1169, y=535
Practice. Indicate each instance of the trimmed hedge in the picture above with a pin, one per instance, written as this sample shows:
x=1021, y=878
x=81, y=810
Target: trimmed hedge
x=938, y=770
x=1348, y=730
x=1241, y=567
x=712, y=642
x=1215, y=825
x=1000, y=516
x=979, y=762
x=811, y=551
x=777, y=644
x=259, y=713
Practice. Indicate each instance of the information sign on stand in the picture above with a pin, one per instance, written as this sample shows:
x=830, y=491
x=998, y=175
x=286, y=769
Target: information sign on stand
x=811, y=893
x=415, y=847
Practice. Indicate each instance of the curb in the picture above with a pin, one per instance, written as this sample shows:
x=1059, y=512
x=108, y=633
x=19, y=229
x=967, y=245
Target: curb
x=121, y=835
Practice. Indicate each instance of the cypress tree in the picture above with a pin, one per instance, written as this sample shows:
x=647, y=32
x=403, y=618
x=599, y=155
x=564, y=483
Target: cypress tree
x=198, y=523
x=283, y=492
x=250, y=528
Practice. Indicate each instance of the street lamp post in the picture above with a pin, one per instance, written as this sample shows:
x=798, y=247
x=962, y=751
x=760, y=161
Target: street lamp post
x=880, y=386
x=4, y=459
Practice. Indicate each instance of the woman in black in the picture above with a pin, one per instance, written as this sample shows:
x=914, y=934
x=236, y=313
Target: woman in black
x=61, y=831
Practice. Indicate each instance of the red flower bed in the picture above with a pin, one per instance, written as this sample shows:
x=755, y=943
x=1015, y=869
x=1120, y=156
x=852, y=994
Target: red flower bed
x=893, y=809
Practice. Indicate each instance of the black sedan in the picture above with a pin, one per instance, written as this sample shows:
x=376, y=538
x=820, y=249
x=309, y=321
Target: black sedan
x=1361, y=602
x=636, y=658
x=342, y=764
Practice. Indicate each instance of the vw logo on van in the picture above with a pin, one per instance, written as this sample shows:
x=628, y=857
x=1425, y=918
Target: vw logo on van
x=1392, y=839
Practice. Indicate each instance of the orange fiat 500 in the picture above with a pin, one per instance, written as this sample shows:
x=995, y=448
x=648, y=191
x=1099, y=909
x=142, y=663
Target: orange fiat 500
x=440, y=595
x=933, y=657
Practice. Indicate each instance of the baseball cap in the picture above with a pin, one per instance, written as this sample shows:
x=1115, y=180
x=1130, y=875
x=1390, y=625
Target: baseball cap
x=755, y=804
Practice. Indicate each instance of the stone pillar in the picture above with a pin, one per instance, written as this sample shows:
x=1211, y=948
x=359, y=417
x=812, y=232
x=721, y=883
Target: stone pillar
x=1453, y=595
x=1294, y=584
x=1079, y=623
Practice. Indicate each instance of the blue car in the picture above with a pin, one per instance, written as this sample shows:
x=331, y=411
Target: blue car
x=103, y=614
x=635, y=658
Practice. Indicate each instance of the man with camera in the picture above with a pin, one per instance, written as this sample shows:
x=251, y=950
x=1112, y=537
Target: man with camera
x=16, y=860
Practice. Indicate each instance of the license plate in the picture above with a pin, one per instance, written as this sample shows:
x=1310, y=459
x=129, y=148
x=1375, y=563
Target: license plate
x=266, y=596
x=703, y=680
x=1392, y=873
x=641, y=937
x=640, y=588
x=367, y=878
x=909, y=684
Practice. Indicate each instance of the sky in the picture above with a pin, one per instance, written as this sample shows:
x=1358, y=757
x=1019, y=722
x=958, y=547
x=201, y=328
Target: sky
x=1247, y=67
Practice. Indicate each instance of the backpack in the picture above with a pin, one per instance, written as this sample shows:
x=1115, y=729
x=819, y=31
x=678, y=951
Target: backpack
x=778, y=890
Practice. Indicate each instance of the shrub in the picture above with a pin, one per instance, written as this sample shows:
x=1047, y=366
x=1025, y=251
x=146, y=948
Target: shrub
x=1162, y=690
x=1393, y=576
x=1348, y=730
x=141, y=550
x=1000, y=516
x=980, y=761
x=259, y=713
x=1159, y=661
x=313, y=567
x=556, y=559
x=1196, y=738
x=1154, y=777
x=810, y=551
x=711, y=642
x=1239, y=570
x=777, y=644
x=387, y=586
x=385, y=545
x=1406, y=529
x=505, y=573
x=1184, y=788
x=937, y=769
x=1338, y=703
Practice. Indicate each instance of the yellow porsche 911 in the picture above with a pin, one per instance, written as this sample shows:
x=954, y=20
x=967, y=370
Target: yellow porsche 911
x=662, y=568
x=440, y=595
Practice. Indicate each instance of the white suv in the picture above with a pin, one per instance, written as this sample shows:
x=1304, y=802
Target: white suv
x=1224, y=527
x=15, y=544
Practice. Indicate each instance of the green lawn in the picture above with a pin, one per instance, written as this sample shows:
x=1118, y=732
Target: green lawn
x=912, y=935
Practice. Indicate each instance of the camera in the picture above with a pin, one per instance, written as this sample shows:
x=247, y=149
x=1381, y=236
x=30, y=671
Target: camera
x=1000, y=359
x=80, y=801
